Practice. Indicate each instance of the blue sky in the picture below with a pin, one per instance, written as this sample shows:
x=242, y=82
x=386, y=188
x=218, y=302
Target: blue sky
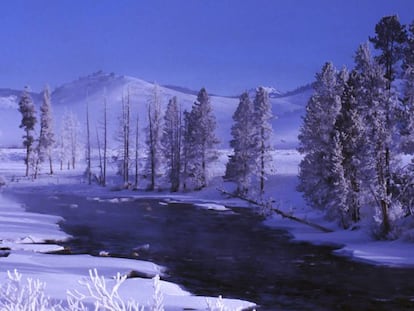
x=226, y=46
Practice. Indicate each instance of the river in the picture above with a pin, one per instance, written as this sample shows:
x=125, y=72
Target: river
x=227, y=253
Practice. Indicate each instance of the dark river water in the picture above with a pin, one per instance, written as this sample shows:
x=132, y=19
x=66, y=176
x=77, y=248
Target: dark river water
x=228, y=253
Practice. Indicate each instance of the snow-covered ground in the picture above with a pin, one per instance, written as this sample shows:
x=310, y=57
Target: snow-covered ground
x=20, y=229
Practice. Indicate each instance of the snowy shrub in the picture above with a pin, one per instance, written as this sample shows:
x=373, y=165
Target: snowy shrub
x=102, y=296
x=15, y=295
x=157, y=298
x=216, y=305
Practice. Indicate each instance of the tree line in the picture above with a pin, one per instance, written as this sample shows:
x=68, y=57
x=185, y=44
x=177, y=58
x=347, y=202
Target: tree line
x=358, y=124
x=180, y=146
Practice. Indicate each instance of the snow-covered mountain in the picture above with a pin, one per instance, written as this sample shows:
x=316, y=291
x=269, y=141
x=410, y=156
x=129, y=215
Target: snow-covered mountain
x=92, y=89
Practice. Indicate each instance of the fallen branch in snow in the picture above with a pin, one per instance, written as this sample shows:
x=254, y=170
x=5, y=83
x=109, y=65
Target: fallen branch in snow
x=278, y=211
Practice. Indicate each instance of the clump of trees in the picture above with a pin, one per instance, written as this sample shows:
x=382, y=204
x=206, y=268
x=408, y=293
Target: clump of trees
x=356, y=126
x=252, y=133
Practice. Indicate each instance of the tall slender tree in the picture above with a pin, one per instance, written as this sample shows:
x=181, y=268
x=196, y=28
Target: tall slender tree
x=154, y=131
x=262, y=114
x=378, y=106
x=123, y=137
x=136, y=151
x=316, y=139
x=171, y=142
x=200, y=139
x=70, y=138
x=27, y=109
x=88, y=147
x=241, y=164
x=105, y=142
x=47, y=136
x=390, y=37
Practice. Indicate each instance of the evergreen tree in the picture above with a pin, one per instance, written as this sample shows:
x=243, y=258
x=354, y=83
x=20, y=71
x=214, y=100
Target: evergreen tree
x=350, y=129
x=316, y=139
x=338, y=204
x=171, y=143
x=154, y=131
x=27, y=109
x=240, y=166
x=380, y=128
x=409, y=48
x=262, y=135
x=390, y=39
x=47, y=136
x=200, y=140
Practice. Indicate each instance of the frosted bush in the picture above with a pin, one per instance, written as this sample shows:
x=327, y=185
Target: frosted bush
x=157, y=298
x=19, y=295
x=102, y=296
x=16, y=295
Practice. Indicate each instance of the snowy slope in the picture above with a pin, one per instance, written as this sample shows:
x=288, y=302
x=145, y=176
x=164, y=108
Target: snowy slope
x=94, y=88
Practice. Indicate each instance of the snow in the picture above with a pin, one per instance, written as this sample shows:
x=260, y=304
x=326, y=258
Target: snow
x=212, y=206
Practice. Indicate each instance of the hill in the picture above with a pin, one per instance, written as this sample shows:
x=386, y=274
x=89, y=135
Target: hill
x=93, y=88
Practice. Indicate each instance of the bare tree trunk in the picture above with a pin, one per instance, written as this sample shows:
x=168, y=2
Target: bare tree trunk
x=136, y=151
x=88, y=155
x=50, y=164
x=105, y=147
x=100, y=157
x=152, y=149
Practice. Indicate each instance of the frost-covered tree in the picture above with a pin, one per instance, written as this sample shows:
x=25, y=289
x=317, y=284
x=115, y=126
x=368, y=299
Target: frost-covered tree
x=351, y=131
x=171, y=142
x=47, y=135
x=28, y=111
x=262, y=135
x=200, y=140
x=390, y=37
x=316, y=139
x=379, y=106
x=70, y=143
x=154, y=133
x=123, y=136
x=241, y=164
x=409, y=47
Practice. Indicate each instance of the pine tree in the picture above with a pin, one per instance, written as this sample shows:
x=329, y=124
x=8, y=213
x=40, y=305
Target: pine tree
x=350, y=128
x=154, y=131
x=27, y=109
x=380, y=128
x=262, y=135
x=316, y=139
x=171, y=143
x=241, y=164
x=409, y=48
x=390, y=39
x=338, y=204
x=47, y=136
x=200, y=140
